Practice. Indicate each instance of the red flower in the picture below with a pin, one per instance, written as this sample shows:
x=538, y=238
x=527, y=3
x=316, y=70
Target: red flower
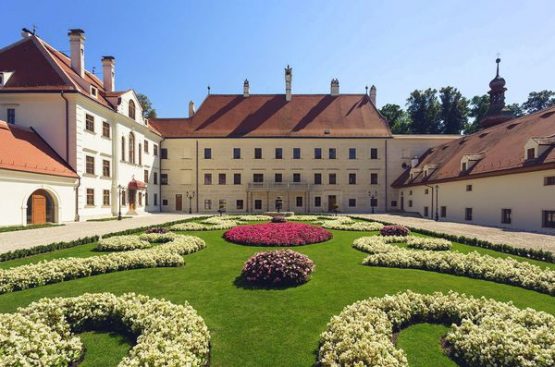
x=277, y=268
x=277, y=234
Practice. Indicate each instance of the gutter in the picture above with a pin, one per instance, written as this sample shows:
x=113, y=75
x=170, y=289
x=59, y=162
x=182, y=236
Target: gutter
x=160, y=175
x=432, y=206
x=67, y=125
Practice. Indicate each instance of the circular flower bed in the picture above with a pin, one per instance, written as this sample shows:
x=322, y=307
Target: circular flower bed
x=278, y=268
x=394, y=230
x=277, y=234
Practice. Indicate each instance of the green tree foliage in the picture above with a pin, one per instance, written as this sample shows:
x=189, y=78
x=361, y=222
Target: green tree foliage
x=148, y=111
x=516, y=109
x=424, y=108
x=538, y=101
x=398, y=119
x=478, y=107
x=454, y=110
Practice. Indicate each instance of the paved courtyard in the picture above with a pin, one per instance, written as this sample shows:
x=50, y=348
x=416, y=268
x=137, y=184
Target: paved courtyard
x=71, y=231
x=492, y=234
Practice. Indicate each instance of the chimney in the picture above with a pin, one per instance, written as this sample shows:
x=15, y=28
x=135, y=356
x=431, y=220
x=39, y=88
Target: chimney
x=109, y=73
x=288, y=79
x=246, y=89
x=334, y=87
x=77, y=49
x=373, y=94
x=191, y=108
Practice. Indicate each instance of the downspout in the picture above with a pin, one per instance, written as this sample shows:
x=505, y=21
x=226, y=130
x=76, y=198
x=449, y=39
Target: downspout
x=437, y=202
x=432, y=206
x=160, y=176
x=196, y=181
x=67, y=157
x=386, y=181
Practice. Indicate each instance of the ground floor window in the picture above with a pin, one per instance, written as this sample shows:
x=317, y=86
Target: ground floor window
x=373, y=202
x=506, y=216
x=207, y=204
x=549, y=218
x=393, y=203
x=299, y=201
x=165, y=202
x=468, y=214
x=258, y=204
x=410, y=203
x=140, y=195
x=106, y=197
x=317, y=201
x=443, y=211
x=352, y=203
x=146, y=199
x=426, y=211
x=239, y=204
x=90, y=197
x=155, y=199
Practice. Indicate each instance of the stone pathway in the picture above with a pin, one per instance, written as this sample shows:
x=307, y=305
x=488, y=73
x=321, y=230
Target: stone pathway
x=71, y=231
x=491, y=234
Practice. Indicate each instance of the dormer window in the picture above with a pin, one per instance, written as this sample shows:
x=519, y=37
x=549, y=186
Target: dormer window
x=1, y=79
x=94, y=92
x=464, y=167
x=530, y=153
x=535, y=147
x=468, y=161
x=131, y=112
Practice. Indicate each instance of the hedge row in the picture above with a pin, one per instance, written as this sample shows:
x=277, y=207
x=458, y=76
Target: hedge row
x=500, y=247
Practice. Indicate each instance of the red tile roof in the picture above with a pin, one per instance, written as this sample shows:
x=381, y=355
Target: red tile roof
x=315, y=115
x=22, y=149
x=500, y=147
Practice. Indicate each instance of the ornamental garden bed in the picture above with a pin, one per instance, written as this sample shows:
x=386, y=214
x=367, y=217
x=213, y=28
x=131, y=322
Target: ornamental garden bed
x=277, y=234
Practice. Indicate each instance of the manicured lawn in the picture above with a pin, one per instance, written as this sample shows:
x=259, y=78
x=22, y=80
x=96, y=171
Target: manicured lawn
x=271, y=327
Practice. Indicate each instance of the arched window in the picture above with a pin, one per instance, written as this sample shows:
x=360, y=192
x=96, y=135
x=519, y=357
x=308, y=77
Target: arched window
x=131, y=148
x=132, y=109
x=123, y=148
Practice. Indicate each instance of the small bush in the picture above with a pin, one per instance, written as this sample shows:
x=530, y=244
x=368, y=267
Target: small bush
x=158, y=230
x=279, y=219
x=278, y=268
x=394, y=230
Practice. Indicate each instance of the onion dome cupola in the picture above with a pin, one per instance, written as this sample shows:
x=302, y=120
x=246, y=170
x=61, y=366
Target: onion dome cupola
x=497, y=111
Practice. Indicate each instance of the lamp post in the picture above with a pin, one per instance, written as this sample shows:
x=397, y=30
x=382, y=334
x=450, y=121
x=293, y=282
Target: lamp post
x=190, y=196
x=373, y=200
x=120, y=188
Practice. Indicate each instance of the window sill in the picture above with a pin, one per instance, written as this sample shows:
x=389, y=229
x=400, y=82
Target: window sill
x=106, y=137
x=106, y=177
x=89, y=131
x=90, y=175
x=90, y=206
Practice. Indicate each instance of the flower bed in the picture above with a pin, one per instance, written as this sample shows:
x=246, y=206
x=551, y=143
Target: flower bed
x=394, y=230
x=277, y=234
x=158, y=230
x=42, y=334
x=278, y=268
x=252, y=218
x=278, y=219
x=158, y=237
x=304, y=218
x=432, y=244
x=352, y=226
x=192, y=226
x=122, y=243
x=490, y=333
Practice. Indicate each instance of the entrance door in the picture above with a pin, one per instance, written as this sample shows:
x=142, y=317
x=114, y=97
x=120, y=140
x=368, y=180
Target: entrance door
x=332, y=202
x=132, y=203
x=178, y=202
x=38, y=205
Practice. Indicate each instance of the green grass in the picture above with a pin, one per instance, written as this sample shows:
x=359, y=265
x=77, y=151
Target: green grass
x=24, y=228
x=272, y=327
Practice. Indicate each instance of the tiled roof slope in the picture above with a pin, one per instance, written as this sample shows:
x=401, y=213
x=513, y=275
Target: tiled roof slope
x=315, y=115
x=22, y=149
x=501, y=147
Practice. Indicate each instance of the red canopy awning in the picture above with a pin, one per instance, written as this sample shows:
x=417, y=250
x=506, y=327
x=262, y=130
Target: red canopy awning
x=136, y=185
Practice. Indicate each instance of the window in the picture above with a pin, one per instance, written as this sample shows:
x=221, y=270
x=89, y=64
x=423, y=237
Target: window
x=146, y=146
x=296, y=153
x=352, y=153
x=11, y=115
x=296, y=177
x=530, y=153
x=131, y=110
x=163, y=178
x=222, y=178
x=156, y=178
x=410, y=192
x=352, y=203
x=373, y=179
x=89, y=123
x=236, y=153
x=373, y=202
x=548, y=219
x=207, y=204
x=410, y=203
x=426, y=211
x=163, y=153
x=352, y=178
x=464, y=166
x=94, y=91
x=506, y=216
x=317, y=179
x=132, y=148
x=332, y=179
x=207, y=153
x=237, y=179
x=90, y=197
x=105, y=129
x=394, y=203
x=468, y=187
x=258, y=177
x=165, y=202
x=549, y=181
x=317, y=153
x=155, y=150
x=299, y=201
x=257, y=153
x=239, y=204
x=155, y=199
x=146, y=175
x=332, y=153
x=317, y=201
x=140, y=154
x=278, y=177
x=105, y=168
x=258, y=204
x=426, y=191
x=122, y=149
x=123, y=196
x=443, y=211
x=373, y=153
x=278, y=153
x=468, y=214
x=89, y=165
x=208, y=179
x=106, y=197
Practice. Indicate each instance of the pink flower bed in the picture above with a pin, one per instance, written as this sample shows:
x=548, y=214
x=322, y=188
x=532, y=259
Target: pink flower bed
x=277, y=234
x=394, y=230
x=278, y=268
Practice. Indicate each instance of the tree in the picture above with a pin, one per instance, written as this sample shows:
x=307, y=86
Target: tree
x=478, y=108
x=424, y=108
x=515, y=109
x=539, y=100
x=398, y=119
x=454, y=110
x=148, y=111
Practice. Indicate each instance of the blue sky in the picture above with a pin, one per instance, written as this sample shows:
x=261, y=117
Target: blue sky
x=171, y=50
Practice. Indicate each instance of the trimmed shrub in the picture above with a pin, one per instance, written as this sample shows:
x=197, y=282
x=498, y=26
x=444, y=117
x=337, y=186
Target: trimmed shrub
x=278, y=268
x=279, y=219
x=277, y=234
x=394, y=230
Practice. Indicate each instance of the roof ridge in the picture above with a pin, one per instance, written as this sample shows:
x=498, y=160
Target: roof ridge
x=42, y=46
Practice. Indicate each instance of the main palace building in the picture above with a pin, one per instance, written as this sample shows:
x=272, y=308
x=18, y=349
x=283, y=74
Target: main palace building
x=72, y=147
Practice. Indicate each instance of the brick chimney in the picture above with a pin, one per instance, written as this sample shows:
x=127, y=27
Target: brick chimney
x=334, y=87
x=109, y=73
x=191, y=108
x=373, y=94
x=288, y=80
x=77, y=50
x=246, y=88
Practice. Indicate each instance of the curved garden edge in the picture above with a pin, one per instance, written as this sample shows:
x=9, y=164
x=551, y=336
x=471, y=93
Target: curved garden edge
x=289, y=234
